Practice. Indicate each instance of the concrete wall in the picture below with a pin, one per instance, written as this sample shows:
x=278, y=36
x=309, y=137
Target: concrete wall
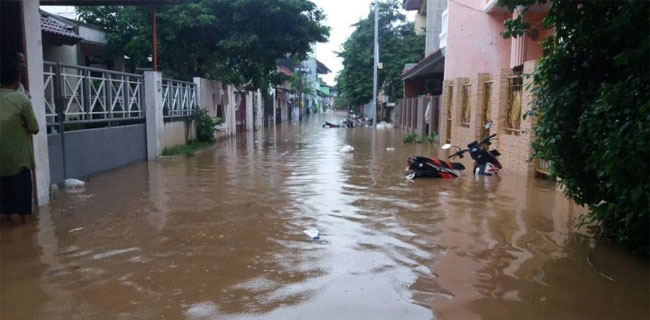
x=95, y=150
x=34, y=55
x=178, y=133
x=214, y=93
x=55, y=149
x=434, y=25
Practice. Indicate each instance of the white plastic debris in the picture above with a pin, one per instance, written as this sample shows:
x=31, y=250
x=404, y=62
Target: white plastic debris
x=390, y=149
x=312, y=233
x=73, y=183
x=347, y=149
x=75, y=230
x=384, y=125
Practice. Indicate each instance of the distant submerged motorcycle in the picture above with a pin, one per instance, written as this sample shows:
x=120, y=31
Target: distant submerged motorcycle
x=485, y=163
x=347, y=123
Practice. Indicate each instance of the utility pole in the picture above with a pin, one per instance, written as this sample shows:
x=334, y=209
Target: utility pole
x=376, y=62
x=300, y=92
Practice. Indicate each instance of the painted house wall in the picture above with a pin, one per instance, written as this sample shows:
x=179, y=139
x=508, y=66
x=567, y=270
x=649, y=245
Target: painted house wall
x=63, y=54
x=92, y=35
x=474, y=42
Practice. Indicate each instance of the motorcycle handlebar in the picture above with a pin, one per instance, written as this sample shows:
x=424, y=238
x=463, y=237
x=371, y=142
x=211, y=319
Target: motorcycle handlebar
x=457, y=153
x=487, y=139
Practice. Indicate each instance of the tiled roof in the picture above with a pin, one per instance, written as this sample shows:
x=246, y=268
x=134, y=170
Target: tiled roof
x=61, y=31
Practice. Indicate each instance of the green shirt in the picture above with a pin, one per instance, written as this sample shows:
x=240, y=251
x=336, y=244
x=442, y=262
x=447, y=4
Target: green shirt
x=16, y=121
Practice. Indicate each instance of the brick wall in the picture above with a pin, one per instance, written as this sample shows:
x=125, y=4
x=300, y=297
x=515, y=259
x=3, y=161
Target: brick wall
x=515, y=148
x=444, y=110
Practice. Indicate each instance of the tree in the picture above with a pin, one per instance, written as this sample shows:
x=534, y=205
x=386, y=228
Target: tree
x=398, y=45
x=235, y=41
x=593, y=110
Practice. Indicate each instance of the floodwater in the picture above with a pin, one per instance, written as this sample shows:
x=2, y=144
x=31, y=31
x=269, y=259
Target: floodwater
x=220, y=236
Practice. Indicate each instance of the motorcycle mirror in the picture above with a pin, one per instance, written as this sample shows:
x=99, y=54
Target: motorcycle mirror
x=488, y=124
x=446, y=146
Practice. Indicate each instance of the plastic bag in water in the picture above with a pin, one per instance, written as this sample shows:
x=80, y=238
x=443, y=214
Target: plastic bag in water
x=312, y=233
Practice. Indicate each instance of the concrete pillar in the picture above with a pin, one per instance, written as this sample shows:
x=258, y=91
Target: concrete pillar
x=260, y=109
x=200, y=100
x=249, y=111
x=34, y=56
x=518, y=44
x=154, y=114
x=420, y=121
x=499, y=100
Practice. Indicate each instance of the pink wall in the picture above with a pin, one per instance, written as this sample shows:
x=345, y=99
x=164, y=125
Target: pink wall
x=534, y=47
x=474, y=43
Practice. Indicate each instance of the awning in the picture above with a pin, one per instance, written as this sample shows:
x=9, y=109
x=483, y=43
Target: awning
x=321, y=68
x=433, y=63
x=57, y=32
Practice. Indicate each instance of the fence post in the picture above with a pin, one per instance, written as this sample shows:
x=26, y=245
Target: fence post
x=108, y=95
x=154, y=114
x=59, y=105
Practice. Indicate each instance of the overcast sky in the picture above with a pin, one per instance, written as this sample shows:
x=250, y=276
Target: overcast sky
x=340, y=16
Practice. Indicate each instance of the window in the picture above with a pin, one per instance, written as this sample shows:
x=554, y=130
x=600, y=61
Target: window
x=466, y=109
x=513, y=109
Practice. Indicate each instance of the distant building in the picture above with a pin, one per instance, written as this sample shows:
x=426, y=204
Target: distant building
x=72, y=42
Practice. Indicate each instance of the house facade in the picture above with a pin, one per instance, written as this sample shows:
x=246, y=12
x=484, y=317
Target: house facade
x=483, y=79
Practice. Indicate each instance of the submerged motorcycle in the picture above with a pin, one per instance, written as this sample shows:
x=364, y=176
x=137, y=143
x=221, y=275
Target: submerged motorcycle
x=347, y=123
x=434, y=168
x=485, y=163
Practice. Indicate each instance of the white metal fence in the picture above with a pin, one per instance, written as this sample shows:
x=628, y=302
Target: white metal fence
x=179, y=98
x=77, y=94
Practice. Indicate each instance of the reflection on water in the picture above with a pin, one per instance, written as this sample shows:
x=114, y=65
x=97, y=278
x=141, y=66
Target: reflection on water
x=219, y=236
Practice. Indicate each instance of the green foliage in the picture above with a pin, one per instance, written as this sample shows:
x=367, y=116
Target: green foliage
x=398, y=44
x=204, y=125
x=188, y=149
x=409, y=138
x=593, y=111
x=431, y=138
x=235, y=41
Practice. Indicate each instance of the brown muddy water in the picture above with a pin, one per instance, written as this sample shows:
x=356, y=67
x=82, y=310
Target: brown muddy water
x=220, y=236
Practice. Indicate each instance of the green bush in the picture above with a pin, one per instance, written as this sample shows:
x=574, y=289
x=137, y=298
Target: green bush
x=431, y=138
x=409, y=138
x=188, y=149
x=204, y=125
x=593, y=111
